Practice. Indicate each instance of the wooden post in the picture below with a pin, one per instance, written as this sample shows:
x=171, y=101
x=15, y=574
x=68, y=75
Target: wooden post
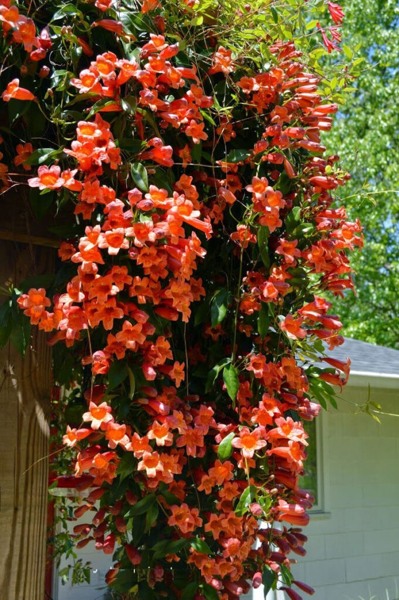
x=25, y=385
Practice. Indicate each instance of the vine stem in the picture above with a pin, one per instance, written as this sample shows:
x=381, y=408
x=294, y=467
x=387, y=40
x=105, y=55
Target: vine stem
x=365, y=193
x=233, y=351
x=39, y=106
x=31, y=466
x=186, y=355
x=195, y=486
x=247, y=470
x=91, y=354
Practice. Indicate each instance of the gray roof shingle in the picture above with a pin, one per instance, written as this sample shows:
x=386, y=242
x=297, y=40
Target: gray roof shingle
x=368, y=358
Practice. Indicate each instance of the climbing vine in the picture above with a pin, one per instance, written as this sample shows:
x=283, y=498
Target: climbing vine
x=174, y=149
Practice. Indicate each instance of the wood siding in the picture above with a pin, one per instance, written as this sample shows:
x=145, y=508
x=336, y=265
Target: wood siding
x=25, y=385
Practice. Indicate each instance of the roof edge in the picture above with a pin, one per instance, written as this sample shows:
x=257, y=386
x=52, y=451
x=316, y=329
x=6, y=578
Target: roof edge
x=380, y=380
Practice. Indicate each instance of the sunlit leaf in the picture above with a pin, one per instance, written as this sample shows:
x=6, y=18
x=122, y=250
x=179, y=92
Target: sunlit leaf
x=225, y=448
x=246, y=498
x=140, y=176
x=230, y=378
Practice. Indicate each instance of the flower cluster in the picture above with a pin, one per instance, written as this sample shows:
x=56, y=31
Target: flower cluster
x=337, y=15
x=204, y=235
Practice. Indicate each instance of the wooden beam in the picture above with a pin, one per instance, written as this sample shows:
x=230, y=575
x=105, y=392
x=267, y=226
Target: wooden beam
x=26, y=238
x=20, y=224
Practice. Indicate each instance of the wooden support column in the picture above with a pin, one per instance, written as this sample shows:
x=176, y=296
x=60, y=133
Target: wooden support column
x=25, y=386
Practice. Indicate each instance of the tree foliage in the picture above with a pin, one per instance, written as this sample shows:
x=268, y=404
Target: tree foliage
x=366, y=134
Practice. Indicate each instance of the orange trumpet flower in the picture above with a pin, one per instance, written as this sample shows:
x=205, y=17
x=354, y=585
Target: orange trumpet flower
x=14, y=92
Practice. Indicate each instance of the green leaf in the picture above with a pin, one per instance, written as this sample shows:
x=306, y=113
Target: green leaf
x=129, y=104
x=146, y=592
x=99, y=105
x=210, y=592
x=41, y=203
x=265, y=501
x=303, y=230
x=263, y=320
x=130, y=22
x=126, y=579
x=132, y=51
x=284, y=184
x=196, y=153
x=169, y=497
x=5, y=322
x=235, y=156
x=263, y=245
x=68, y=9
x=293, y=218
x=201, y=546
x=318, y=53
x=63, y=574
x=41, y=155
x=225, y=447
x=246, y=498
x=230, y=378
x=16, y=109
x=269, y=578
x=160, y=179
x=151, y=516
x=140, y=176
x=320, y=398
x=64, y=367
x=35, y=121
x=81, y=98
x=118, y=372
x=208, y=118
x=274, y=14
x=286, y=575
x=20, y=332
x=214, y=372
x=287, y=33
x=201, y=312
x=190, y=591
x=311, y=24
x=132, y=382
x=165, y=547
x=322, y=390
x=197, y=21
x=131, y=145
x=138, y=529
x=126, y=465
x=142, y=505
x=219, y=304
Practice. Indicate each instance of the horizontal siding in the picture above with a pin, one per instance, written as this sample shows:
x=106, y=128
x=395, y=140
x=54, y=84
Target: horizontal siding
x=361, y=531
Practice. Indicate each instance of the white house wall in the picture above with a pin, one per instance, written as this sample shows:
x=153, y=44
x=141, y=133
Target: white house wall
x=96, y=590
x=353, y=549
